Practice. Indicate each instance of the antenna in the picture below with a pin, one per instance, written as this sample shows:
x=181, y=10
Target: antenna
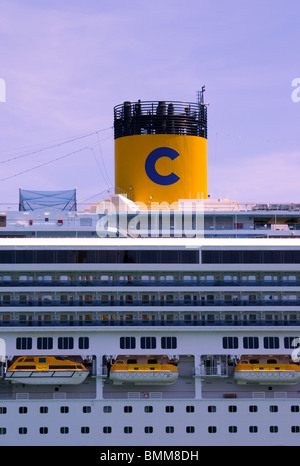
x=200, y=96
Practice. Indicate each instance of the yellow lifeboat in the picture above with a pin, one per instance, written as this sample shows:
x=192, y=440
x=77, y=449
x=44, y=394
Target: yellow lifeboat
x=46, y=370
x=143, y=374
x=266, y=374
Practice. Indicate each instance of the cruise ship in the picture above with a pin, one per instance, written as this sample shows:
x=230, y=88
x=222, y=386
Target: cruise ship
x=157, y=316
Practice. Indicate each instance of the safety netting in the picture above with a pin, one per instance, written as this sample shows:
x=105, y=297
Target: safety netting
x=59, y=200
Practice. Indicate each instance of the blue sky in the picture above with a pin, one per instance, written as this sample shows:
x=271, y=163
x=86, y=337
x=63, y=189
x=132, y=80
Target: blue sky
x=66, y=64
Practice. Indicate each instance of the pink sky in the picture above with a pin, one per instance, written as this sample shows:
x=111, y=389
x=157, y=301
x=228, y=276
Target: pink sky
x=67, y=63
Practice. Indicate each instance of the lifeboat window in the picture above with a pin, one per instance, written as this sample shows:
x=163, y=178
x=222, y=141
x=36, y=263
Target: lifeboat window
x=62, y=367
x=42, y=359
x=120, y=362
x=136, y=368
x=261, y=368
x=152, y=368
x=80, y=367
x=27, y=359
x=24, y=367
x=244, y=362
x=277, y=368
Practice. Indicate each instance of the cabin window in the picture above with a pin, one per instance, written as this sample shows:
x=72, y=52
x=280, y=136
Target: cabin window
x=250, y=342
x=88, y=299
x=22, y=430
x=295, y=408
x=87, y=318
x=169, y=409
x=190, y=429
x=128, y=430
x=268, y=278
x=127, y=342
x=148, y=430
x=23, y=278
x=6, y=299
x=45, y=343
x=63, y=318
x=64, y=430
x=107, y=430
x=253, y=409
x=145, y=299
x=23, y=299
x=43, y=430
x=83, y=343
x=23, y=410
x=271, y=342
x=169, y=429
x=190, y=409
x=289, y=277
x=170, y=298
x=148, y=342
x=212, y=429
x=232, y=429
x=64, y=409
x=107, y=409
x=128, y=299
x=295, y=429
x=64, y=278
x=169, y=342
x=85, y=430
x=232, y=409
x=230, y=342
x=127, y=409
x=65, y=343
x=24, y=343
x=187, y=299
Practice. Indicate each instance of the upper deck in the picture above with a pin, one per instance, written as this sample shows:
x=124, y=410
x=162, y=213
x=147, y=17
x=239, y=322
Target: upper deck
x=118, y=216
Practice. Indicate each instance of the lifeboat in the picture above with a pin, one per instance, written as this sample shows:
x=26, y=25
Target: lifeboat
x=143, y=374
x=46, y=370
x=266, y=374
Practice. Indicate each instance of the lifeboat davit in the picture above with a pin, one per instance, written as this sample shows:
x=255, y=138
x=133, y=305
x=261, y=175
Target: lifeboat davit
x=46, y=370
x=143, y=374
x=266, y=374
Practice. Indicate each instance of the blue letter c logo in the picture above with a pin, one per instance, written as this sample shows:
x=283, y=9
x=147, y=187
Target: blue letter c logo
x=151, y=160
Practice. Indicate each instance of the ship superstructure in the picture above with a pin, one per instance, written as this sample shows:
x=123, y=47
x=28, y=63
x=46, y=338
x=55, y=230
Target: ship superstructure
x=175, y=317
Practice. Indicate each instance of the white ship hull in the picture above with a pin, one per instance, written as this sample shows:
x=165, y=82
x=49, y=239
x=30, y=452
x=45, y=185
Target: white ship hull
x=202, y=314
x=174, y=277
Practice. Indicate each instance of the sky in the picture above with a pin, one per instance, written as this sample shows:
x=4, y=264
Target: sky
x=66, y=63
